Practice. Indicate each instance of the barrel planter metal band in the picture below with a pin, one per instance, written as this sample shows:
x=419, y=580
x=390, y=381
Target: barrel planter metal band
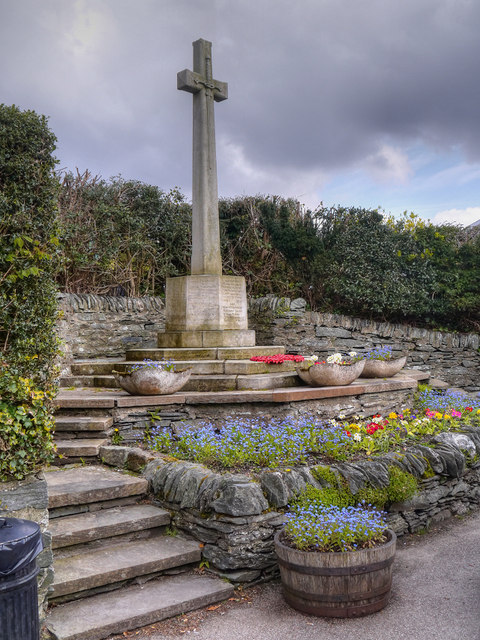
x=337, y=571
x=348, y=584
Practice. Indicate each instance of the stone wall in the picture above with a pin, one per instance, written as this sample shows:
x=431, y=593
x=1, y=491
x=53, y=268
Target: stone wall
x=452, y=357
x=236, y=515
x=94, y=326
x=104, y=327
x=132, y=422
x=28, y=499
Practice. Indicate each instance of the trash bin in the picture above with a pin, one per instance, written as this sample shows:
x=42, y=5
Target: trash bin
x=20, y=543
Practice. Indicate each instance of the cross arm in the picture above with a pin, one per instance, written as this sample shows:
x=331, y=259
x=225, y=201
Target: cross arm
x=193, y=83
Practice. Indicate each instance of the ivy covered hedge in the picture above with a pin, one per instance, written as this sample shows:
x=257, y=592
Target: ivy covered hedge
x=28, y=304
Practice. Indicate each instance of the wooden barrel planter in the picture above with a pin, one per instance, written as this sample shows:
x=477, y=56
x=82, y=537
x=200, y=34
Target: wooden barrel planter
x=340, y=585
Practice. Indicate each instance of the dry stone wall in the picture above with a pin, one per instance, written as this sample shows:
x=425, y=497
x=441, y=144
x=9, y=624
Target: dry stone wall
x=236, y=515
x=95, y=326
x=452, y=357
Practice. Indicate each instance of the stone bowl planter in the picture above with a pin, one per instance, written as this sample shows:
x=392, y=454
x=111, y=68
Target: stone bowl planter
x=148, y=381
x=329, y=374
x=337, y=584
x=383, y=368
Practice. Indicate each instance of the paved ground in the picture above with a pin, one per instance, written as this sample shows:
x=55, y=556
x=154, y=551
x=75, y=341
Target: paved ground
x=435, y=596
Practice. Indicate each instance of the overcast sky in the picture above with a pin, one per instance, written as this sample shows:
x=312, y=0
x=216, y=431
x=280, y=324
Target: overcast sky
x=355, y=102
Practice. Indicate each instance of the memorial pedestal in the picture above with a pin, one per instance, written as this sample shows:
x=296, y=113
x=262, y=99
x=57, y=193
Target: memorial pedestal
x=206, y=311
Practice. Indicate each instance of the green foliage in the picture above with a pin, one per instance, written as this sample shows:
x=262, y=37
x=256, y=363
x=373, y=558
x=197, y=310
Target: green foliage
x=28, y=245
x=120, y=236
x=325, y=496
x=402, y=486
x=26, y=426
x=342, y=259
x=28, y=304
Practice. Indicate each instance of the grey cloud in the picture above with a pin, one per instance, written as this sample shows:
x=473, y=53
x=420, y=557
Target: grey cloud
x=312, y=83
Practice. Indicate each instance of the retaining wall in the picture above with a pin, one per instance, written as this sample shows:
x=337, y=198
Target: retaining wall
x=452, y=357
x=236, y=515
x=104, y=327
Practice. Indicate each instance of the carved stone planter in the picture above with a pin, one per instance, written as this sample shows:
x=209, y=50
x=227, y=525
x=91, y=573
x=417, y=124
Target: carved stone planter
x=341, y=585
x=152, y=382
x=329, y=374
x=383, y=368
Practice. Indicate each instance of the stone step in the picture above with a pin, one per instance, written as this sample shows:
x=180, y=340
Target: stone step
x=82, y=426
x=119, y=611
x=199, y=367
x=81, y=381
x=240, y=382
x=85, y=485
x=117, y=563
x=79, y=447
x=106, y=523
x=212, y=353
x=213, y=382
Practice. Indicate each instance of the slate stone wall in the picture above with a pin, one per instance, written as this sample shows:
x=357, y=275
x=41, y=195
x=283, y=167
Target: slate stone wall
x=104, y=327
x=28, y=500
x=236, y=515
x=452, y=357
x=132, y=422
x=94, y=326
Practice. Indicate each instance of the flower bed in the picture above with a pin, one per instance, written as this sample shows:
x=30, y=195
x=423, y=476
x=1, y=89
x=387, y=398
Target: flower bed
x=242, y=443
x=278, y=358
x=236, y=507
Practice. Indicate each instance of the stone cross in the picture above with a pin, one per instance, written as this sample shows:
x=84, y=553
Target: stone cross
x=206, y=258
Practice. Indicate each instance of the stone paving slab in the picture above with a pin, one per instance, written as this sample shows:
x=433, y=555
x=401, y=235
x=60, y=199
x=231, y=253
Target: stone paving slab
x=121, y=561
x=82, y=485
x=116, y=612
x=85, y=527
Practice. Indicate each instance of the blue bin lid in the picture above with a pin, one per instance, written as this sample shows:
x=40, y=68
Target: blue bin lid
x=20, y=543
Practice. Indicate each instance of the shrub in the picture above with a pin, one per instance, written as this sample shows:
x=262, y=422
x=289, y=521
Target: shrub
x=141, y=235
x=28, y=304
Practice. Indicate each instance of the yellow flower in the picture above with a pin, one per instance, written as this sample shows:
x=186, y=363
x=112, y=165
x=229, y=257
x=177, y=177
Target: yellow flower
x=392, y=416
x=447, y=417
x=438, y=415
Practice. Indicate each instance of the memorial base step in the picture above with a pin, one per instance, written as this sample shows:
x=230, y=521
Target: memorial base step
x=201, y=339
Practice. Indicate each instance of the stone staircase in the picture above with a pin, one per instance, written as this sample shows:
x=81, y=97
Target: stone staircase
x=78, y=437
x=116, y=567
x=213, y=369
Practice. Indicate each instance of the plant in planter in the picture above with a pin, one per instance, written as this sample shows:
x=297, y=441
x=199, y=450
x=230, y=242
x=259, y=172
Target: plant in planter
x=152, y=377
x=381, y=363
x=337, y=369
x=336, y=561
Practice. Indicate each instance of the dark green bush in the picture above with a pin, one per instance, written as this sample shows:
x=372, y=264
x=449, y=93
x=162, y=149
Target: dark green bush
x=28, y=304
x=346, y=260
x=121, y=237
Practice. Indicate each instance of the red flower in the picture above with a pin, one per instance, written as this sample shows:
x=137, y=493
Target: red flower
x=468, y=408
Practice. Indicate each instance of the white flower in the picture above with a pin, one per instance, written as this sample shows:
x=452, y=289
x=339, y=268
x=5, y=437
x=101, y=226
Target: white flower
x=336, y=358
x=352, y=354
x=357, y=437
